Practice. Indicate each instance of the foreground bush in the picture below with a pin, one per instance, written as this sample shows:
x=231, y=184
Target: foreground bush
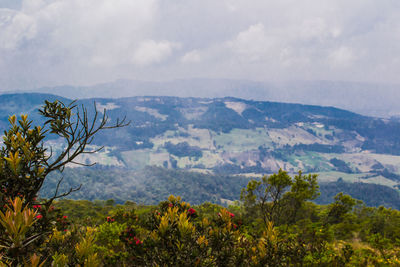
x=176, y=234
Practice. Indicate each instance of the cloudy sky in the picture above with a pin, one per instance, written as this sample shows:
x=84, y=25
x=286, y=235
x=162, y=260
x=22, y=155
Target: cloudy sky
x=82, y=42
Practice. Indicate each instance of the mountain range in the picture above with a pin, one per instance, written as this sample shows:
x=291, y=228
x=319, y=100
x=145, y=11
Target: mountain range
x=235, y=137
x=371, y=99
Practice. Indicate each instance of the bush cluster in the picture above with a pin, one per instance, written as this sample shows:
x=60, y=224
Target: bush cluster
x=174, y=233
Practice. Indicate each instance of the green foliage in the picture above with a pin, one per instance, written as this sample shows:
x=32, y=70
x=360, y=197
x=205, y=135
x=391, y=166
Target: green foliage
x=341, y=165
x=371, y=194
x=24, y=165
x=183, y=150
x=176, y=234
x=150, y=185
x=22, y=161
x=337, y=210
x=17, y=221
x=278, y=198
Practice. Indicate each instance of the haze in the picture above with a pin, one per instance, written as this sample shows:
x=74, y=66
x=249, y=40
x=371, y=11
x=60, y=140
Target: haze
x=87, y=42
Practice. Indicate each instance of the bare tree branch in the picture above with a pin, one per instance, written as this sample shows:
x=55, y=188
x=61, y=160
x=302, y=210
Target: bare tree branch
x=78, y=132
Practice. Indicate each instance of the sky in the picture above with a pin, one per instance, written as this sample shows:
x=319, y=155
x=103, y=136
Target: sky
x=84, y=42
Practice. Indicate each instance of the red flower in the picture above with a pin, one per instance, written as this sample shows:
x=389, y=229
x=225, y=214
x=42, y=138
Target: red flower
x=170, y=205
x=39, y=216
x=65, y=217
x=191, y=211
x=137, y=240
x=110, y=219
x=37, y=206
x=230, y=214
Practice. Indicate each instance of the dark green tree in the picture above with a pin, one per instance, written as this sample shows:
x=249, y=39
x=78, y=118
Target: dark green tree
x=303, y=188
x=277, y=196
x=343, y=205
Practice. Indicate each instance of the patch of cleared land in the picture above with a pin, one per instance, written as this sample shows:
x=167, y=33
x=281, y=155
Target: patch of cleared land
x=294, y=135
x=108, y=106
x=197, y=137
x=334, y=176
x=193, y=113
x=365, y=160
x=238, y=107
x=380, y=180
x=152, y=112
x=239, y=140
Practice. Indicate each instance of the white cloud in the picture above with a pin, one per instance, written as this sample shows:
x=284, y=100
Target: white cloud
x=317, y=29
x=252, y=44
x=48, y=42
x=15, y=27
x=191, y=57
x=313, y=28
x=341, y=57
x=32, y=6
x=150, y=52
x=336, y=32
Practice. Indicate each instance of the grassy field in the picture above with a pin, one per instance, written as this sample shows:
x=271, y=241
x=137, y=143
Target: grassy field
x=240, y=147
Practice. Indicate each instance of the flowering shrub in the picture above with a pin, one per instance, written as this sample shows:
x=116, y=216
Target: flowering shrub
x=191, y=212
x=24, y=165
x=17, y=237
x=176, y=234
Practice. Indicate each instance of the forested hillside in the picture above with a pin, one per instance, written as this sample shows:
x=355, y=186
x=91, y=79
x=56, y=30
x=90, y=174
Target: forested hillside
x=154, y=184
x=228, y=136
x=213, y=123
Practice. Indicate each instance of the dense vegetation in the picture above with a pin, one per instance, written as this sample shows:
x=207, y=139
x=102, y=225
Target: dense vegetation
x=341, y=165
x=183, y=150
x=150, y=185
x=174, y=233
x=154, y=184
x=372, y=195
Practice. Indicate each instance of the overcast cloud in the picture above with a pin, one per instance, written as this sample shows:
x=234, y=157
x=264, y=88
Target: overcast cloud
x=81, y=42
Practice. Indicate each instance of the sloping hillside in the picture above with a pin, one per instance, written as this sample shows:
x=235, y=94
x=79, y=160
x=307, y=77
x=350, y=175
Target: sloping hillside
x=236, y=136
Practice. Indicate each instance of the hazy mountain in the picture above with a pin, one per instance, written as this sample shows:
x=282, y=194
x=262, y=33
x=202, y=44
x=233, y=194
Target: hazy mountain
x=371, y=99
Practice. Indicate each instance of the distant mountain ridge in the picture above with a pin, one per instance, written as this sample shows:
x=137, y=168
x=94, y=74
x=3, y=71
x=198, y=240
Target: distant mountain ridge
x=373, y=99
